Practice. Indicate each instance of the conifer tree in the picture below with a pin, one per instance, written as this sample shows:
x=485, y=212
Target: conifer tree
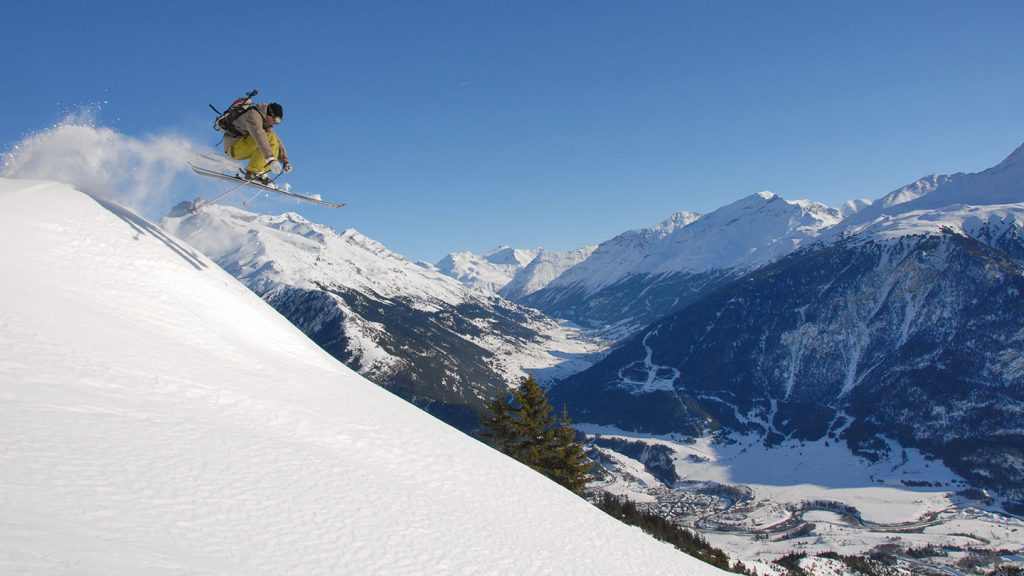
x=499, y=426
x=521, y=425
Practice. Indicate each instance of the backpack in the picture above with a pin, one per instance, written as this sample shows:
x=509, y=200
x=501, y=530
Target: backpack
x=225, y=120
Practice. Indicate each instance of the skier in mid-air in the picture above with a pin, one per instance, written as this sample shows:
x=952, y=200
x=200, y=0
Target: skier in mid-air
x=257, y=142
x=249, y=134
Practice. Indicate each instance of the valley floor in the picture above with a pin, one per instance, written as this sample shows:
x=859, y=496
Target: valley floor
x=759, y=504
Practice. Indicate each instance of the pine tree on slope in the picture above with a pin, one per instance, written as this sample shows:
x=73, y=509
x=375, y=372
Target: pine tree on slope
x=521, y=425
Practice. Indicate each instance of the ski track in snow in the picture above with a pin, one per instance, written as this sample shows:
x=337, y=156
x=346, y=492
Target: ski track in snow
x=658, y=377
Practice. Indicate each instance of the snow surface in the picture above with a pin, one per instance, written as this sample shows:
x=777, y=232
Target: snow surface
x=156, y=417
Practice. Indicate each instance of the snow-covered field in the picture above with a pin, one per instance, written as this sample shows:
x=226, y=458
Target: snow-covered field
x=844, y=503
x=156, y=417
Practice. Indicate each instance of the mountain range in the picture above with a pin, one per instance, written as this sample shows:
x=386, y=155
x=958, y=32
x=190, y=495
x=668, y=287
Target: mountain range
x=641, y=275
x=900, y=321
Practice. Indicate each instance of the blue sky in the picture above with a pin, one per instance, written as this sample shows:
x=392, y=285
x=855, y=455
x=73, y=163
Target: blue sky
x=461, y=125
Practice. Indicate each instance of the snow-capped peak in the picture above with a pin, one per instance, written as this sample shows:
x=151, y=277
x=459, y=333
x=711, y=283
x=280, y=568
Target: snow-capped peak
x=851, y=207
x=505, y=255
x=1001, y=184
x=747, y=234
x=939, y=202
x=489, y=272
x=675, y=222
x=1014, y=161
x=542, y=270
x=743, y=235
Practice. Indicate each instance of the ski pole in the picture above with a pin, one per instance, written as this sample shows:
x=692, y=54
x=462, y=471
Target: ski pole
x=196, y=209
x=246, y=203
x=258, y=192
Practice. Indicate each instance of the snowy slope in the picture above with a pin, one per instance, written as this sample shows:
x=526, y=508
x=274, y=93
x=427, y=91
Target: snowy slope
x=156, y=417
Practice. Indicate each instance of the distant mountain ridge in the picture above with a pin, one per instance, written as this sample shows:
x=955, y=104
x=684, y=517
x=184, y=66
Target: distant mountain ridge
x=413, y=330
x=510, y=272
x=641, y=275
x=488, y=272
x=542, y=270
x=1001, y=184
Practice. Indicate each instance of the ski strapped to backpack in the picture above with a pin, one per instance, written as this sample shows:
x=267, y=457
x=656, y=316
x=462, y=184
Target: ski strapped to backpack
x=225, y=119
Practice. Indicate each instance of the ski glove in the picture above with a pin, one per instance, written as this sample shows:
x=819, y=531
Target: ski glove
x=273, y=164
x=287, y=167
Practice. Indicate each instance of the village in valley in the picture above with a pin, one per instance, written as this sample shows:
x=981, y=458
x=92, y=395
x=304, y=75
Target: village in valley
x=908, y=512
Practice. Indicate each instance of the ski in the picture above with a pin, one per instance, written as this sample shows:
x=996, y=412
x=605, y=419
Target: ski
x=243, y=182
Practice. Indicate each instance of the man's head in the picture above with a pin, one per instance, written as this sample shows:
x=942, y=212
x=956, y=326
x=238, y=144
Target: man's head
x=275, y=111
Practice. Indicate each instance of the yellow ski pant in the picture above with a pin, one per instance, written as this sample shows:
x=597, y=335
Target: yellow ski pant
x=246, y=149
